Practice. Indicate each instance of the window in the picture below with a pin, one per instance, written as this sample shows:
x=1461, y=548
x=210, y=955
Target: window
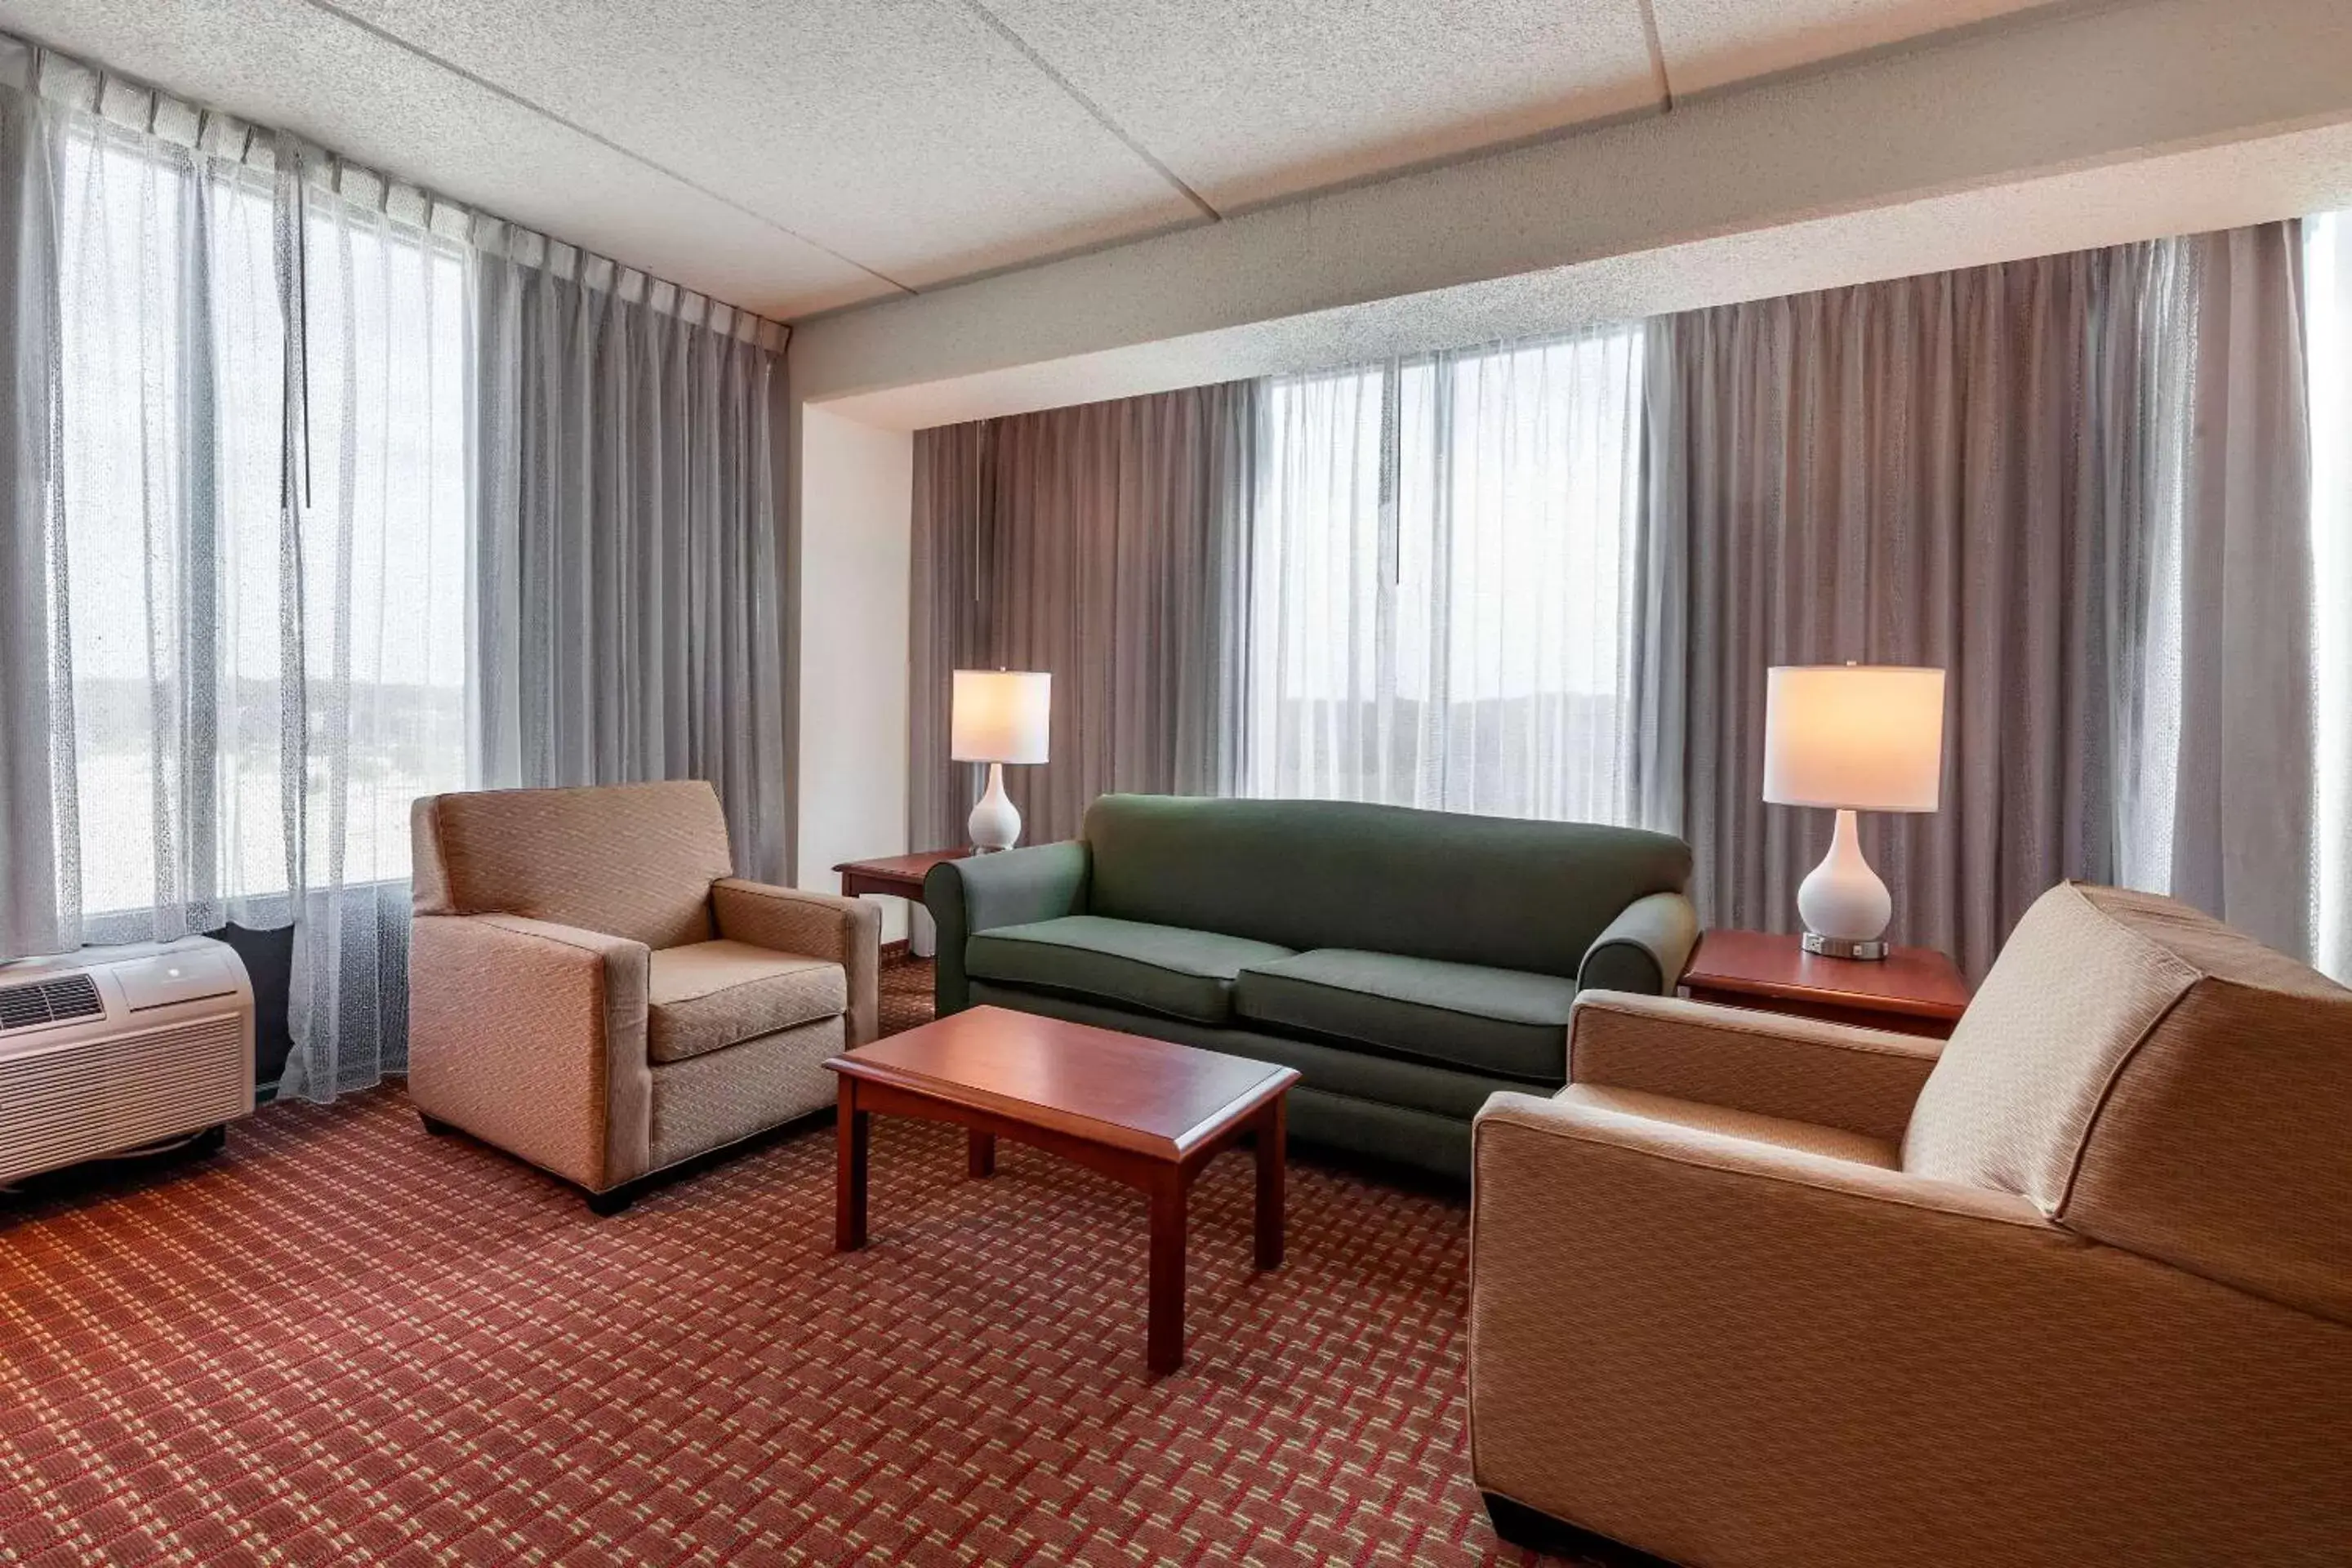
x=205, y=778
x=1440, y=606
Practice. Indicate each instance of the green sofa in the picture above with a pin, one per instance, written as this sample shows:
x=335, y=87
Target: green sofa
x=1408, y=963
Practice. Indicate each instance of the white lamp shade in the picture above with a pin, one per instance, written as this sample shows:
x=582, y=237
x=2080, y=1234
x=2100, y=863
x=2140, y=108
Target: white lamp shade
x=1861, y=737
x=1000, y=716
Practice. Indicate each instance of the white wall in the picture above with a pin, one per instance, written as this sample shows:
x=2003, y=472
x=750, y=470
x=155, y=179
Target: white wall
x=855, y=497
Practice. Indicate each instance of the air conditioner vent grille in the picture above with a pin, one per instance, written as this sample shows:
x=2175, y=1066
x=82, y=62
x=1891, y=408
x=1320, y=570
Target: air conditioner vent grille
x=49, y=1002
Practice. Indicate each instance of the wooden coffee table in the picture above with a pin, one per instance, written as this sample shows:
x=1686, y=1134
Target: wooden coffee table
x=1146, y=1112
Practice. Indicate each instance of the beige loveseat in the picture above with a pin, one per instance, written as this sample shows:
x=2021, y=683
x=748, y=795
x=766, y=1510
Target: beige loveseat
x=1753, y=1291
x=590, y=987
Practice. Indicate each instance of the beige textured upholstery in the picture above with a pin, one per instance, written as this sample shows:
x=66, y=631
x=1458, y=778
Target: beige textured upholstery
x=2094, y=1304
x=591, y=990
x=708, y=995
x=633, y=861
x=1863, y=1080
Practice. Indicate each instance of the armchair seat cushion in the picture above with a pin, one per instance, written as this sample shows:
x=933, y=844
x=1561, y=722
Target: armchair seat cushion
x=1507, y=1022
x=1169, y=970
x=707, y=996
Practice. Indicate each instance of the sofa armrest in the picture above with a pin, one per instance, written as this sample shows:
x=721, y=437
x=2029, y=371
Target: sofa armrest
x=1832, y=1075
x=531, y=1036
x=819, y=925
x=1721, y=1350
x=1644, y=948
x=981, y=892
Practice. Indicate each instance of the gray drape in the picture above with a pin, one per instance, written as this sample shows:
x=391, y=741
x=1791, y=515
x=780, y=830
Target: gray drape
x=2069, y=481
x=627, y=617
x=2244, y=841
x=34, y=917
x=1102, y=544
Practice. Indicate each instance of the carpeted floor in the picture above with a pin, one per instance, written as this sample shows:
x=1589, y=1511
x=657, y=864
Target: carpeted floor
x=345, y=1341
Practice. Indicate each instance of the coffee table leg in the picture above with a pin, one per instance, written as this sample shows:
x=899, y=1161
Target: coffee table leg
x=1164, y=1338
x=979, y=1153
x=849, y=1172
x=1272, y=1159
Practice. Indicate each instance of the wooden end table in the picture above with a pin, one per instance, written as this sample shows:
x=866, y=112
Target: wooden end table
x=1147, y=1112
x=899, y=875
x=1912, y=989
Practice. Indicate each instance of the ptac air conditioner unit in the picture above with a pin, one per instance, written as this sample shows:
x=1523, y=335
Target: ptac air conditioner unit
x=111, y=1049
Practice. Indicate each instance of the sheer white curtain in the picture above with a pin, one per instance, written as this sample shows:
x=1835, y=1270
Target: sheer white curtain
x=2328, y=261
x=381, y=468
x=253, y=651
x=1442, y=569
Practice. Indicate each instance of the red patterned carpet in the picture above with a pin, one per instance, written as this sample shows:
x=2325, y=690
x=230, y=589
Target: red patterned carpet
x=344, y=1342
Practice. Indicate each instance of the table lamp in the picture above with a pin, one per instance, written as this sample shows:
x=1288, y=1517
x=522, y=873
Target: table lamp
x=1854, y=737
x=998, y=716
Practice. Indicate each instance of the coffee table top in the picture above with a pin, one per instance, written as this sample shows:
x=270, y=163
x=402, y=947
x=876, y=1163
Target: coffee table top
x=1150, y=1097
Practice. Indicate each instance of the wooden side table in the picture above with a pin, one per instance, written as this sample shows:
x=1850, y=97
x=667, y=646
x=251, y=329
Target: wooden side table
x=1912, y=989
x=899, y=875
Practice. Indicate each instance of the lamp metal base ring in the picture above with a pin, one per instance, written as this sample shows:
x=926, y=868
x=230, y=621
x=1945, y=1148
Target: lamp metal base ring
x=1843, y=947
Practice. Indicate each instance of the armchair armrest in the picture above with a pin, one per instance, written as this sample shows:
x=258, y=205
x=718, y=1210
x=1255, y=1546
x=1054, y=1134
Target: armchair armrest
x=1832, y=1075
x=531, y=1036
x=981, y=892
x=1720, y=1351
x=847, y=930
x=1644, y=948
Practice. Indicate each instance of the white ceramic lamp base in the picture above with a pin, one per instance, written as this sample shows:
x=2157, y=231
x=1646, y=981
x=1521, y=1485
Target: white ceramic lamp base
x=996, y=822
x=1844, y=904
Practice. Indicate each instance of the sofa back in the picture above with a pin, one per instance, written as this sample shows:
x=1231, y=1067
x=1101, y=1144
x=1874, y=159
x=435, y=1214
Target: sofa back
x=629, y=860
x=1495, y=890
x=2156, y=1081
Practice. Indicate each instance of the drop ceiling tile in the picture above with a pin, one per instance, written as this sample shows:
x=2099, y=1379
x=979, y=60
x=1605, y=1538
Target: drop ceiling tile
x=283, y=63
x=910, y=135
x=1250, y=100
x=1712, y=43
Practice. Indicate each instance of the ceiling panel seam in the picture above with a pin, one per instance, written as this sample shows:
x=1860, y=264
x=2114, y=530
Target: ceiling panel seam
x=1102, y=118
x=1657, y=55
x=510, y=96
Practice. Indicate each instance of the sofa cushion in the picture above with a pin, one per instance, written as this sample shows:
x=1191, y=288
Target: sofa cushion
x=707, y=996
x=1162, y=969
x=1465, y=1016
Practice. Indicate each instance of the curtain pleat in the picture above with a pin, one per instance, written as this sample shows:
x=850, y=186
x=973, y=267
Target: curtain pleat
x=2328, y=335
x=1100, y=543
x=39, y=840
x=626, y=621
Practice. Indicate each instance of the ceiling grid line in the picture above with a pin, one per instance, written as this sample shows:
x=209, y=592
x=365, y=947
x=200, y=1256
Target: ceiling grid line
x=328, y=8
x=1101, y=117
x=1657, y=55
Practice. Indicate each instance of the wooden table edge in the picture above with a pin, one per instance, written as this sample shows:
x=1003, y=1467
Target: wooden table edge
x=1854, y=1001
x=1112, y=1134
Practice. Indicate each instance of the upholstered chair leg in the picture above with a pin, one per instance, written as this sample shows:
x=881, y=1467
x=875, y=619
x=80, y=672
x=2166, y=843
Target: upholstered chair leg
x=612, y=1201
x=1535, y=1531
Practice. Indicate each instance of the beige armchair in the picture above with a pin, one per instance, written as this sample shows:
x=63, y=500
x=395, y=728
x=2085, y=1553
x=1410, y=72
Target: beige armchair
x=1755, y=1291
x=591, y=989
